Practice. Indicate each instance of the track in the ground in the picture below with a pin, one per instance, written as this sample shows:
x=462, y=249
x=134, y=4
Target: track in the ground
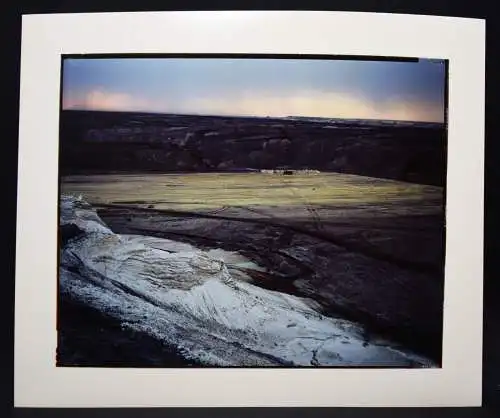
x=366, y=251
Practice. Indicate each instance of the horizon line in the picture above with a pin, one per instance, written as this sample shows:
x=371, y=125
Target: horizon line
x=150, y=112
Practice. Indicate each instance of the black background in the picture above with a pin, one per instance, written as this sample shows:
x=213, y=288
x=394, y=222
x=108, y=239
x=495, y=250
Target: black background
x=10, y=63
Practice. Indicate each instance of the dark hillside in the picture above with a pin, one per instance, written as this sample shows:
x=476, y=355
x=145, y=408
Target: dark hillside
x=114, y=141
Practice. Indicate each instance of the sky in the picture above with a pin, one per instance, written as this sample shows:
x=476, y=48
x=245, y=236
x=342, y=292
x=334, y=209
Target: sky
x=258, y=87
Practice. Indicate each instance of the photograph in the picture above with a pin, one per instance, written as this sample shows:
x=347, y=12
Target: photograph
x=251, y=211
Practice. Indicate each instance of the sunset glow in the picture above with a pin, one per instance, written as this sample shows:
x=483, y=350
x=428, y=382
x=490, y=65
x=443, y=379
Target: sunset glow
x=315, y=88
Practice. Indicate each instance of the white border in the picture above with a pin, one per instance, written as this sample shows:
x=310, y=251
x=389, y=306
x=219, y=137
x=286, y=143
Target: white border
x=44, y=37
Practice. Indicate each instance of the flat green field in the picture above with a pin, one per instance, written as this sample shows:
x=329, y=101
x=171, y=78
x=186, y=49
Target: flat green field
x=215, y=190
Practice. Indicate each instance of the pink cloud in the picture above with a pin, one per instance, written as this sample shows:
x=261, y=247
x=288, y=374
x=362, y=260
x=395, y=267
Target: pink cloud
x=102, y=100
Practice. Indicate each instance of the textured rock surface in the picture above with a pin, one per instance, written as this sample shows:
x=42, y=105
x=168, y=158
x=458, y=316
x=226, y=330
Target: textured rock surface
x=188, y=300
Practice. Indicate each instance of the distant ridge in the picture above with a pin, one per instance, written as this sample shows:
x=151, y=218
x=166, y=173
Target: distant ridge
x=96, y=141
x=290, y=117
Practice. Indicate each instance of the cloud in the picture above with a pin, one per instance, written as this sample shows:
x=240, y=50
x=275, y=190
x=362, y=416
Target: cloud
x=261, y=103
x=102, y=100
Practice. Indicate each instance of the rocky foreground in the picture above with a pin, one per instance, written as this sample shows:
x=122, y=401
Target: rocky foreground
x=196, y=306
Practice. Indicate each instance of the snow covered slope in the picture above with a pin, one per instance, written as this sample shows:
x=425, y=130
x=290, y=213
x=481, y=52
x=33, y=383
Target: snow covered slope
x=200, y=303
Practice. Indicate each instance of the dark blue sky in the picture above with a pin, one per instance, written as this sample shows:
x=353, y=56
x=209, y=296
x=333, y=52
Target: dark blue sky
x=261, y=87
